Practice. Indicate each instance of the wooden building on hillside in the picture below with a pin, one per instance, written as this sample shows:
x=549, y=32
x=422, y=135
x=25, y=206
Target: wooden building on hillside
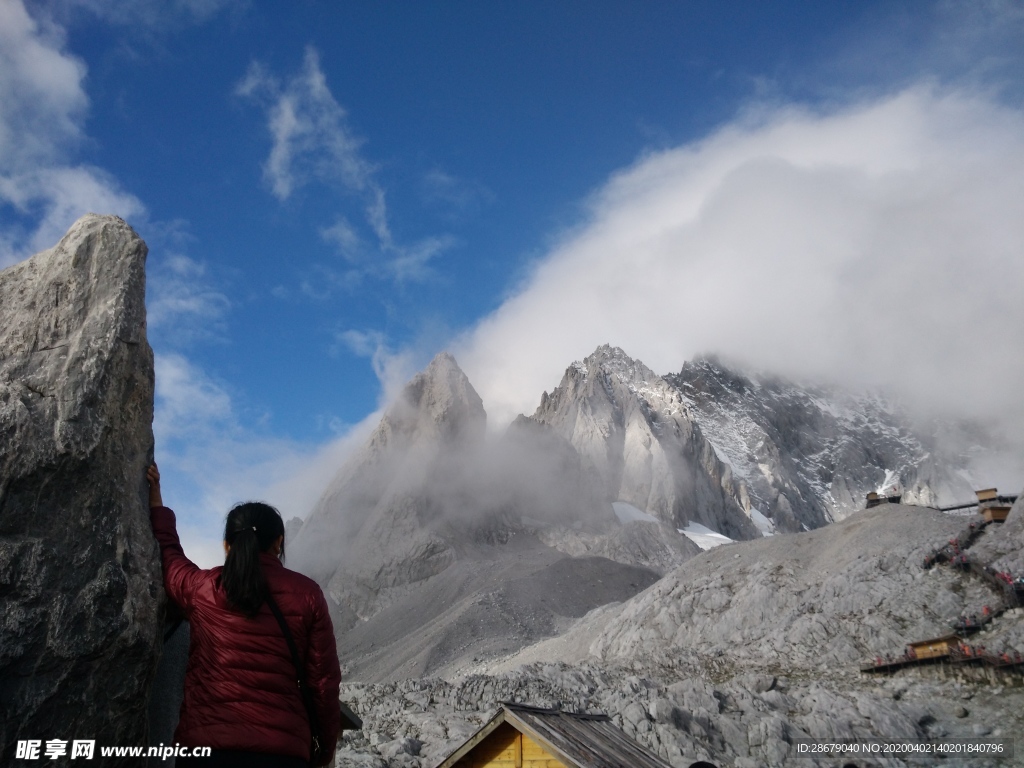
x=993, y=507
x=936, y=648
x=520, y=736
x=987, y=494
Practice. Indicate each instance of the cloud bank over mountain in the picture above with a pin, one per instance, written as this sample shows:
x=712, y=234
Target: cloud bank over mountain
x=877, y=244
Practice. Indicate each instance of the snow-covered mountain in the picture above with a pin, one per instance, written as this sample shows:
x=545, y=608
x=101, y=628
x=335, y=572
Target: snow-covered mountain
x=436, y=544
x=434, y=525
x=744, y=456
x=807, y=456
x=546, y=564
x=639, y=442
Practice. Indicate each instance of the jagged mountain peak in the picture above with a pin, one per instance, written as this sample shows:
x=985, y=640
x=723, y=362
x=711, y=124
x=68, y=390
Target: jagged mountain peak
x=611, y=375
x=636, y=438
x=711, y=371
x=615, y=361
x=439, y=402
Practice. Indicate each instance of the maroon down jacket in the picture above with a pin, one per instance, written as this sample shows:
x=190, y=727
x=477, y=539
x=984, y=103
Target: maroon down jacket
x=240, y=683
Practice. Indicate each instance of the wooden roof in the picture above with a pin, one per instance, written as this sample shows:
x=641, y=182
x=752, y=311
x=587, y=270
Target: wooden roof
x=580, y=741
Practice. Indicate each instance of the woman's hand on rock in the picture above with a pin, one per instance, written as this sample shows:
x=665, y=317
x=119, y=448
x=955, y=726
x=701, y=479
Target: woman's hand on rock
x=153, y=476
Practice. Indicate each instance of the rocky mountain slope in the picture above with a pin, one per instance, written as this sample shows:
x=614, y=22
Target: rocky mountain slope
x=808, y=455
x=733, y=654
x=437, y=545
x=639, y=443
x=745, y=649
x=79, y=572
x=434, y=527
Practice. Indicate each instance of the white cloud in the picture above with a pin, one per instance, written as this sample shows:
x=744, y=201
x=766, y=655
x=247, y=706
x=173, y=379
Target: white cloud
x=188, y=402
x=312, y=142
x=40, y=89
x=877, y=244
x=182, y=305
x=310, y=132
x=43, y=106
x=158, y=15
x=344, y=237
x=412, y=263
x=392, y=368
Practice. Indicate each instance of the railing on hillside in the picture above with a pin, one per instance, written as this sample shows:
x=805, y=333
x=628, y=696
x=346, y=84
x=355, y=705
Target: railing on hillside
x=952, y=648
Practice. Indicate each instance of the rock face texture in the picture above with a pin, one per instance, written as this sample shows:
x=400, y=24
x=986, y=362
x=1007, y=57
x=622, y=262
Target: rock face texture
x=438, y=545
x=639, y=442
x=79, y=572
x=808, y=455
x=743, y=650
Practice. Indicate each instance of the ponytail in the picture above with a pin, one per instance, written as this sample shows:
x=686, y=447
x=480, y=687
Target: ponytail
x=251, y=529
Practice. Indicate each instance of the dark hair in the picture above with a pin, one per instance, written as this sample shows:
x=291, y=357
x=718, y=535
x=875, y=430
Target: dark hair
x=251, y=528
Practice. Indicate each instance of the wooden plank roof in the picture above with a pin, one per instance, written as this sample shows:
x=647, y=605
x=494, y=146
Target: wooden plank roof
x=578, y=740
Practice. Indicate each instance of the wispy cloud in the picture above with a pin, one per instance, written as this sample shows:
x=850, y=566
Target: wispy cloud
x=311, y=136
x=182, y=304
x=312, y=142
x=457, y=197
x=153, y=15
x=412, y=262
x=344, y=237
x=393, y=368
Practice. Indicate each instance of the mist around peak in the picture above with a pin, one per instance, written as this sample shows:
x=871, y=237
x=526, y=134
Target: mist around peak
x=440, y=542
x=433, y=508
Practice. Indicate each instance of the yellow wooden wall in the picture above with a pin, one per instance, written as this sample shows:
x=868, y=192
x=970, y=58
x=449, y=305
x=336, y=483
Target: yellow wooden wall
x=506, y=747
x=995, y=514
x=932, y=650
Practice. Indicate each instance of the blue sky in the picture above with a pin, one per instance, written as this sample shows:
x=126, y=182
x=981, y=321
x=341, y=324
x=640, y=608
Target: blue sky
x=333, y=192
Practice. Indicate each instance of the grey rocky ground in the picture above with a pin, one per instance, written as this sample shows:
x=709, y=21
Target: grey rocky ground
x=79, y=572
x=741, y=651
x=467, y=570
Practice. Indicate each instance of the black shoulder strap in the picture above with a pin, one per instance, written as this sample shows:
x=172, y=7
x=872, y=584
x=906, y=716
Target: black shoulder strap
x=300, y=672
x=172, y=629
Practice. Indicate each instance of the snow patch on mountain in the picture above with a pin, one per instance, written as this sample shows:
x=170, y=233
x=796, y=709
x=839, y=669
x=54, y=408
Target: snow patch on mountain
x=764, y=525
x=704, y=537
x=627, y=513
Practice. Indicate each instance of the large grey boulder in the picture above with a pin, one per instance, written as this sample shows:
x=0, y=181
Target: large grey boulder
x=79, y=571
